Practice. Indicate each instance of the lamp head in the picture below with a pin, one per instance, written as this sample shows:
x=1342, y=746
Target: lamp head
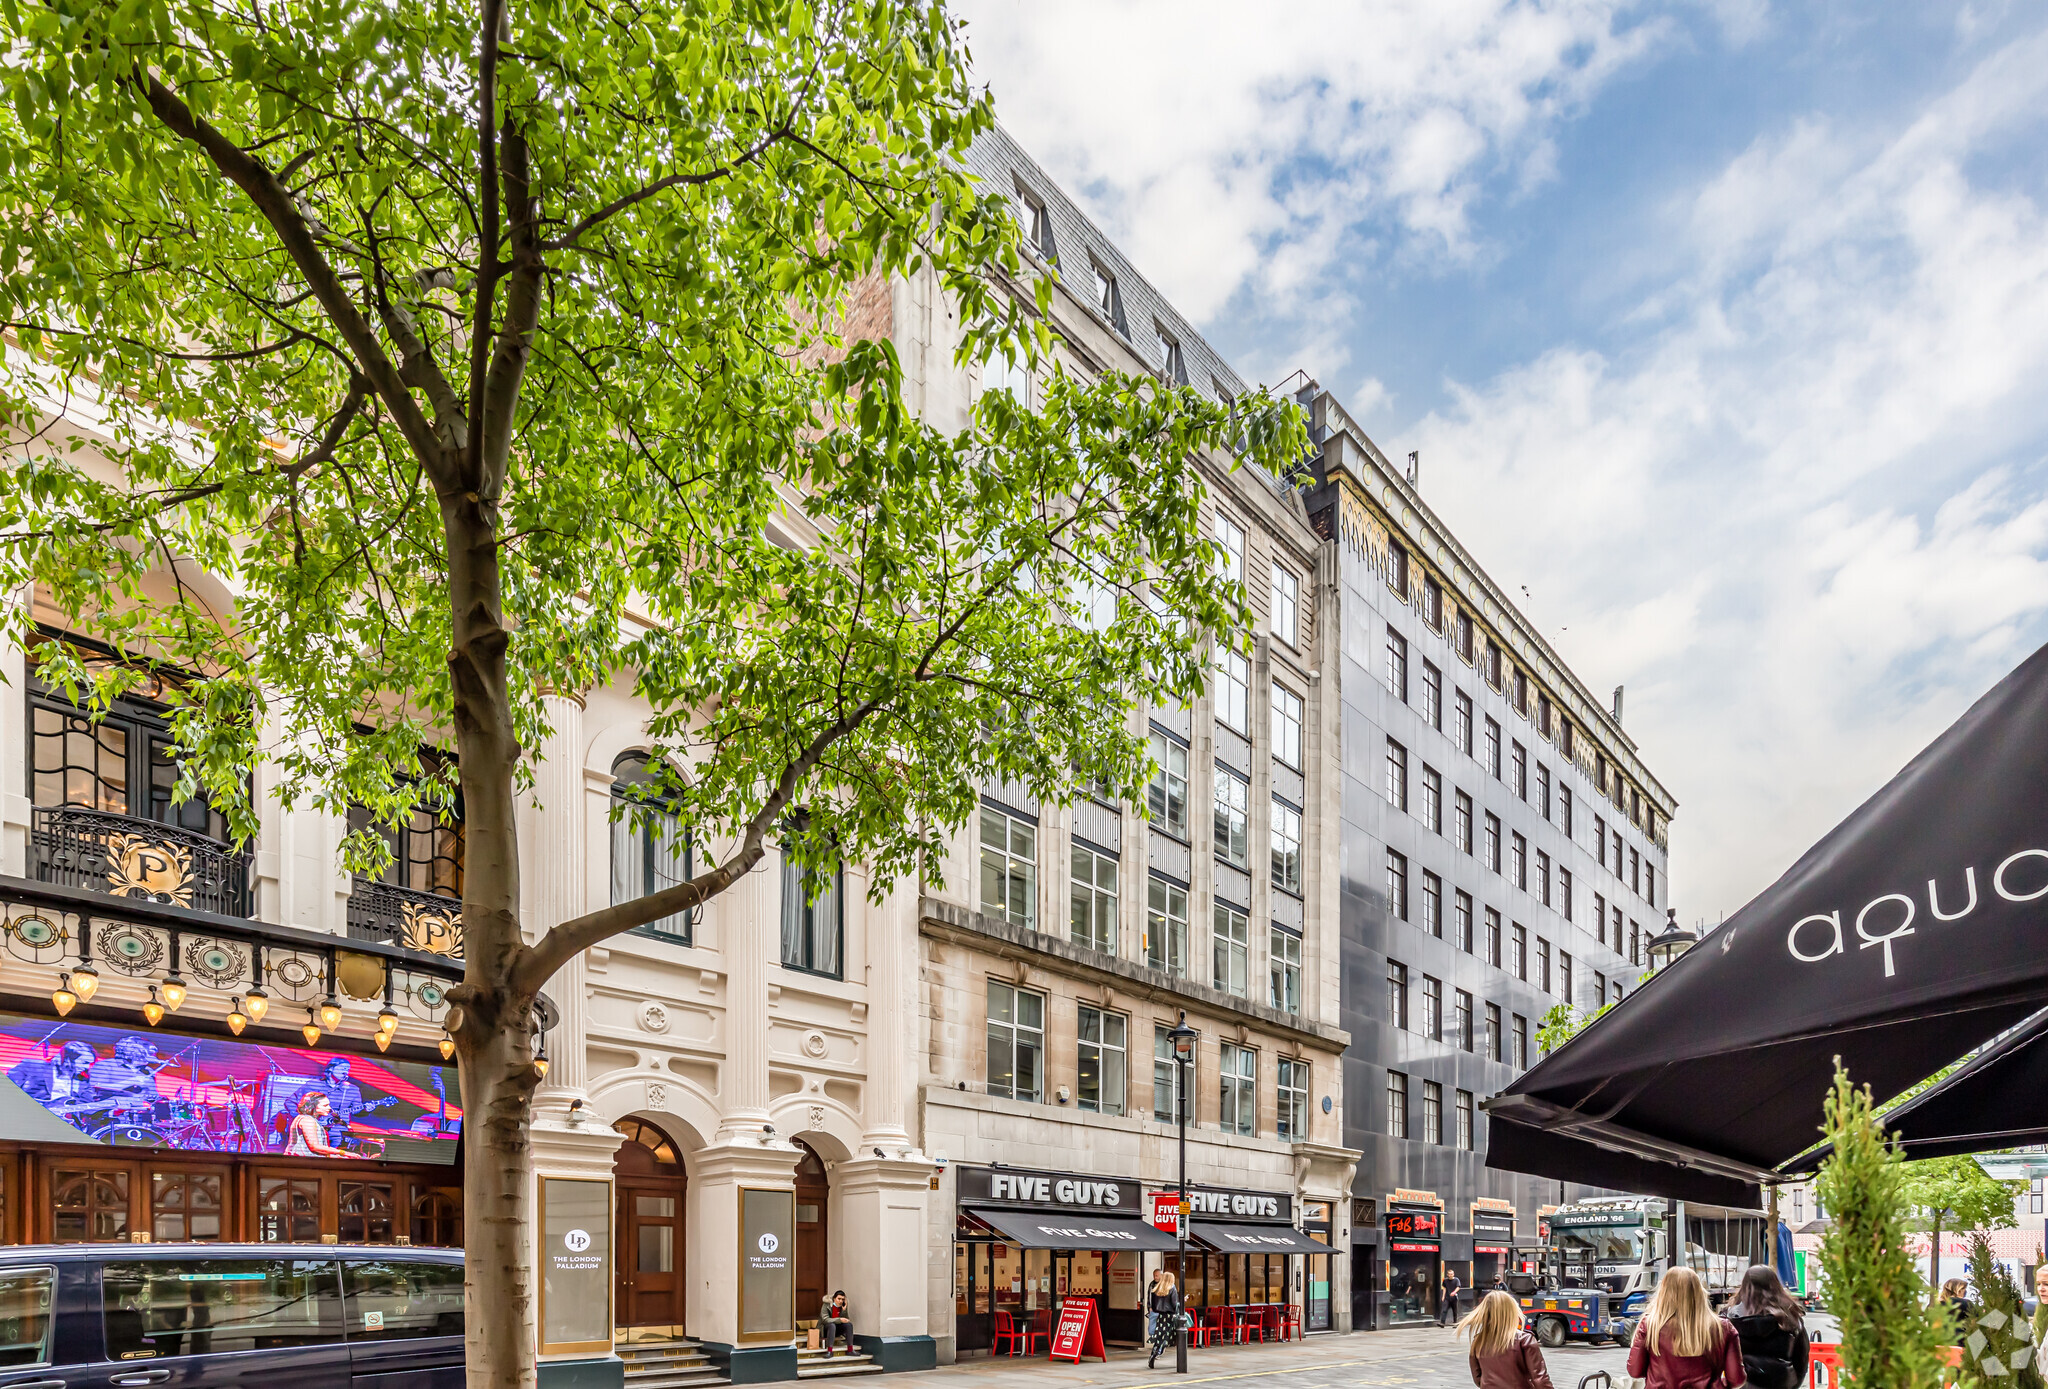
x=257, y=1002
x=85, y=981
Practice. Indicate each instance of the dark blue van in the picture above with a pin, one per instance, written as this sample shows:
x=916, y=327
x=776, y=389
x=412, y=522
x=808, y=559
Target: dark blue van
x=230, y=1316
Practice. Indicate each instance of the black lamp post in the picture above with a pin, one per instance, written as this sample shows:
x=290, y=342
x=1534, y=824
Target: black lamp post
x=1183, y=1039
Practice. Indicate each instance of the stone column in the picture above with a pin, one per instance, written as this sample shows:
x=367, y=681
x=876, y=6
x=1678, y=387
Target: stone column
x=749, y=917
x=554, y=854
x=892, y=1034
x=575, y=1144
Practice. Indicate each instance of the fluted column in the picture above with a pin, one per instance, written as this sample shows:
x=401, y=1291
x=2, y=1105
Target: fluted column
x=556, y=860
x=749, y=917
x=892, y=964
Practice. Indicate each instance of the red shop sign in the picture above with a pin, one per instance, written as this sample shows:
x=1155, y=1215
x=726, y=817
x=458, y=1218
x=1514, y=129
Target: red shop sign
x=1078, y=1332
x=1415, y=1248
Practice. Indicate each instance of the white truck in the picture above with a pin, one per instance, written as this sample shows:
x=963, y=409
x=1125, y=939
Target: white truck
x=1602, y=1258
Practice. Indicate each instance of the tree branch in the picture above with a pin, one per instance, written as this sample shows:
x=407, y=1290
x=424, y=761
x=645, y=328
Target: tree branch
x=662, y=185
x=494, y=411
x=489, y=266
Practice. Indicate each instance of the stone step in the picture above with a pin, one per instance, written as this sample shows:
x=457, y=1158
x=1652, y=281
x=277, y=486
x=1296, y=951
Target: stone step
x=638, y=1369
x=837, y=1367
x=691, y=1379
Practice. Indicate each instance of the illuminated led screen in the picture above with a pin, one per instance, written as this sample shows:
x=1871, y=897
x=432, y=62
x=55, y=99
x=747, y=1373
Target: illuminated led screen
x=68, y=1082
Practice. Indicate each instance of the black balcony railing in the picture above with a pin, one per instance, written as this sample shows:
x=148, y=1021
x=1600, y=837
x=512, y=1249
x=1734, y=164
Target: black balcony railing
x=138, y=859
x=396, y=915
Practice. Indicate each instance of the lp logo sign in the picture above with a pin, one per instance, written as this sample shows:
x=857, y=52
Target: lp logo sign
x=769, y=1243
x=576, y=1241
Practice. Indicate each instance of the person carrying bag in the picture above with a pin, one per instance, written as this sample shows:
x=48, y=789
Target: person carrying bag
x=1772, y=1327
x=1681, y=1344
x=1503, y=1355
x=1163, y=1302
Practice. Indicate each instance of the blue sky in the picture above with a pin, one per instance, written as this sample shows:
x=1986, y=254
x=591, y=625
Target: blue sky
x=1722, y=327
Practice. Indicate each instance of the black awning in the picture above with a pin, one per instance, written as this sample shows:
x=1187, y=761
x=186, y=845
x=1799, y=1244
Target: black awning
x=1254, y=1239
x=1913, y=932
x=1053, y=1230
x=1994, y=1100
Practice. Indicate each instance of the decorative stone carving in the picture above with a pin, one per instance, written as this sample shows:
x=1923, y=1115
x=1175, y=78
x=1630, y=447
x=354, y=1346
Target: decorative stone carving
x=657, y=1095
x=653, y=1017
x=814, y=1043
x=817, y=1116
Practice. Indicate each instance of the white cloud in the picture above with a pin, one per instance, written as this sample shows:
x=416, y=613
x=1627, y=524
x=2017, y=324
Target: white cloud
x=1230, y=147
x=1802, y=519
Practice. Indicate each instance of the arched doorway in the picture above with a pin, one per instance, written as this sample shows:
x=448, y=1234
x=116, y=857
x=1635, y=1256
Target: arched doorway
x=651, y=1186
x=813, y=1193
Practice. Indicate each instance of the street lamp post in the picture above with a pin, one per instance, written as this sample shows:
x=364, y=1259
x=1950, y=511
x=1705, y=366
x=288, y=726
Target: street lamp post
x=1183, y=1039
x=1674, y=940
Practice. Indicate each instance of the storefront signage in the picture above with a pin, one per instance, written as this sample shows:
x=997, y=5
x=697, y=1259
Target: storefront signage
x=1414, y=1248
x=71, y=1082
x=1411, y=1225
x=1166, y=1212
x=1405, y=1197
x=1568, y=1220
x=1233, y=1203
x=767, y=1277
x=1005, y=1186
x=576, y=1265
x=1078, y=1332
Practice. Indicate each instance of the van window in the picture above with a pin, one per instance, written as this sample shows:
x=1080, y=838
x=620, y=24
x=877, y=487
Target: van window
x=209, y=1306
x=393, y=1299
x=25, y=1316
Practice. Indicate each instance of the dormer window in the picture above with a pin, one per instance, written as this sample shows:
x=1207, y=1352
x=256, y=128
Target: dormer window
x=1172, y=364
x=1110, y=299
x=1038, y=228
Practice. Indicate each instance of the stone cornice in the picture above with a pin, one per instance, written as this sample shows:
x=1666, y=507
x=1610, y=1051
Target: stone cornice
x=949, y=922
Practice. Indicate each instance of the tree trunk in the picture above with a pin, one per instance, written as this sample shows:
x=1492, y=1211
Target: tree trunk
x=1934, y=1261
x=497, y=1168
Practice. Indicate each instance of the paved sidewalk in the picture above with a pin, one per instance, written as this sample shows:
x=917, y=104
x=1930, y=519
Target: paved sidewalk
x=1413, y=1356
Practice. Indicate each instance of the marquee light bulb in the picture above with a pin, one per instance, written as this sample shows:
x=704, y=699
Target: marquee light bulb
x=63, y=998
x=311, y=1031
x=330, y=1015
x=174, y=991
x=387, y=1022
x=447, y=1046
x=383, y=1041
x=237, y=1019
x=540, y=1067
x=85, y=982
x=154, y=1008
x=258, y=1003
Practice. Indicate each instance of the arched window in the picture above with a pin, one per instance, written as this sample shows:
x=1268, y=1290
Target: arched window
x=650, y=846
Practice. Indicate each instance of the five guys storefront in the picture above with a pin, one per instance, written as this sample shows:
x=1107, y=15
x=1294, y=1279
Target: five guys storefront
x=1023, y=1240
x=1241, y=1252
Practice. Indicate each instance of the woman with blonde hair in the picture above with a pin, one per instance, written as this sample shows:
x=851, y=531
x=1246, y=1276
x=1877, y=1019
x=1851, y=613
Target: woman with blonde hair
x=1163, y=1306
x=1680, y=1343
x=1503, y=1353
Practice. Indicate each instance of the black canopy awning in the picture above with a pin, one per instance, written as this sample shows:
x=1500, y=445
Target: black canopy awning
x=1052, y=1230
x=1254, y=1239
x=1996, y=1099
x=1915, y=931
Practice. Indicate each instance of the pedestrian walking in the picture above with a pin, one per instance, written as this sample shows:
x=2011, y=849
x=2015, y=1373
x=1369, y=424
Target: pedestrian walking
x=1447, y=1314
x=1955, y=1296
x=1681, y=1344
x=1502, y=1354
x=1772, y=1327
x=1162, y=1305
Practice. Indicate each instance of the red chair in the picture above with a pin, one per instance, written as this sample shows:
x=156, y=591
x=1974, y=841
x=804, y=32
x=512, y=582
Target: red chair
x=1006, y=1330
x=1222, y=1325
x=1290, y=1322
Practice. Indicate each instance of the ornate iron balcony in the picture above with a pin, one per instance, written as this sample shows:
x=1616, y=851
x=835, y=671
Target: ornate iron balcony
x=138, y=859
x=425, y=921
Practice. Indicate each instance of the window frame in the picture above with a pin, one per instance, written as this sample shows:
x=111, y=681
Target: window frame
x=1285, y=834
x=1010, y=863
x=1237, y=1068
x=1159, y=954
x=1015, y=1026
x=1160, y=801
x=1397, y=1104
x=1096, y=893
x=1104, y=1048
x=1230, y=946
x=1286, y=594
x=1283, y=968
x=1287, y=719
x=1232, y=818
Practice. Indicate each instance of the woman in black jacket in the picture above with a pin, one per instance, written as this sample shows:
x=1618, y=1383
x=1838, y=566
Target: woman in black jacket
x=1162, y=1300
x=1772, y=1326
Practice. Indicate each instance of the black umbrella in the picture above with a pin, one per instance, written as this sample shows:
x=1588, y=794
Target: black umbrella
x=1914, y=932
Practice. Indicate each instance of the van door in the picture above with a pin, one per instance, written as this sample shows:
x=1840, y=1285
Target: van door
x=404, y=1322
x=31, y=1350
x=205, y=1323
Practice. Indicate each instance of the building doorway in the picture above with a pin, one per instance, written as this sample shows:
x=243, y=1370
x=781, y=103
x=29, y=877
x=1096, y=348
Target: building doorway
x=813, y=1194
x=651, y=1185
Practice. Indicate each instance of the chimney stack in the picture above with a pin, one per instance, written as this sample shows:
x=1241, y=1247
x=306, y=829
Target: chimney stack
x=1617, y=704
x=1415, y=469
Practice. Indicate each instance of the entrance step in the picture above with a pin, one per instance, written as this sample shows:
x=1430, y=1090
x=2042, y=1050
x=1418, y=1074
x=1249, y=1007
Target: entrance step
x=815, y=1364
x=678, y=1363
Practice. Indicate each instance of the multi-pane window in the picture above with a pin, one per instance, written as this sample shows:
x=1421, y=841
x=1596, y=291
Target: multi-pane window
x=1240, y=1075
x=2033, y=1201
x=812, y=928
x=1433, y=696
x=1518, y=860
x=1493, y=663
x=1397, y=995
x=1462, y=722
x=1099, y=1082
x=1522, y=693
x=1461, y=1021
x=1286, y=605
x=1493, y=841
x=1564, y=976
x=1600, y=920
x=1166, y=926
x=1465, y=637
x=1230, y=547
x=1092, y=900
x=1635, y=874
x=1543, y=964
x=1433, y=604
x=1650, y=883
x=1464, y=1107
x=1599, y=990
x=1635, y=938
x=1016, y=1042
x=1461, y=820
x=1232, y=951
x=1518, y=759
x=1397, y=775
x=1617, y=853
x=1543, y=877
x=1564, y=737
x=1600, y=839
x=1292, y=1111
x=1009, y=867
x=1432, y=1112
x=1493, y=937
x=1397, y=575
x=1433, y=798
x=1564, y=893
x=1233, y=818
x=1234, y=691
x=1492, y=748
x=1432, y=1008
x=1521, y=1042
x=1164, y=1071
x=1518, y=958
x=650, y=847
x=1543, y=789
x=1286, y=726
x=1167, y=795
x=1493, y=1041
x=1564, y=810
x=1432, y=904
x=1397, y=1105
x=1286, y=848
x=1397, y=665
x=1283, y=959
x=1461, y=920
x=1397, y=885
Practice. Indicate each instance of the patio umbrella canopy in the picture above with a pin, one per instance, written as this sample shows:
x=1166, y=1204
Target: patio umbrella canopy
x=1914, y=932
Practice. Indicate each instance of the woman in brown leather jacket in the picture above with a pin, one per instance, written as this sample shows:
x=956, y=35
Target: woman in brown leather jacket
x=1504, y=1355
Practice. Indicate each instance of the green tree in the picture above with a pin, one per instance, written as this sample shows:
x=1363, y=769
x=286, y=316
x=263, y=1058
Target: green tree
x=1563, y=1022
x=1998, y=1341
x=1957, y=1193
x=385, y=368
x=1890, y=1336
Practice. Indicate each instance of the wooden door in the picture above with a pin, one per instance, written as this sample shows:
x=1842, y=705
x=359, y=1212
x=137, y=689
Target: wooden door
x=812, y=1195
x=650, y=1262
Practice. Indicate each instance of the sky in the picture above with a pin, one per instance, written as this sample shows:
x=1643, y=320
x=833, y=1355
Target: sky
x=1721, y=327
